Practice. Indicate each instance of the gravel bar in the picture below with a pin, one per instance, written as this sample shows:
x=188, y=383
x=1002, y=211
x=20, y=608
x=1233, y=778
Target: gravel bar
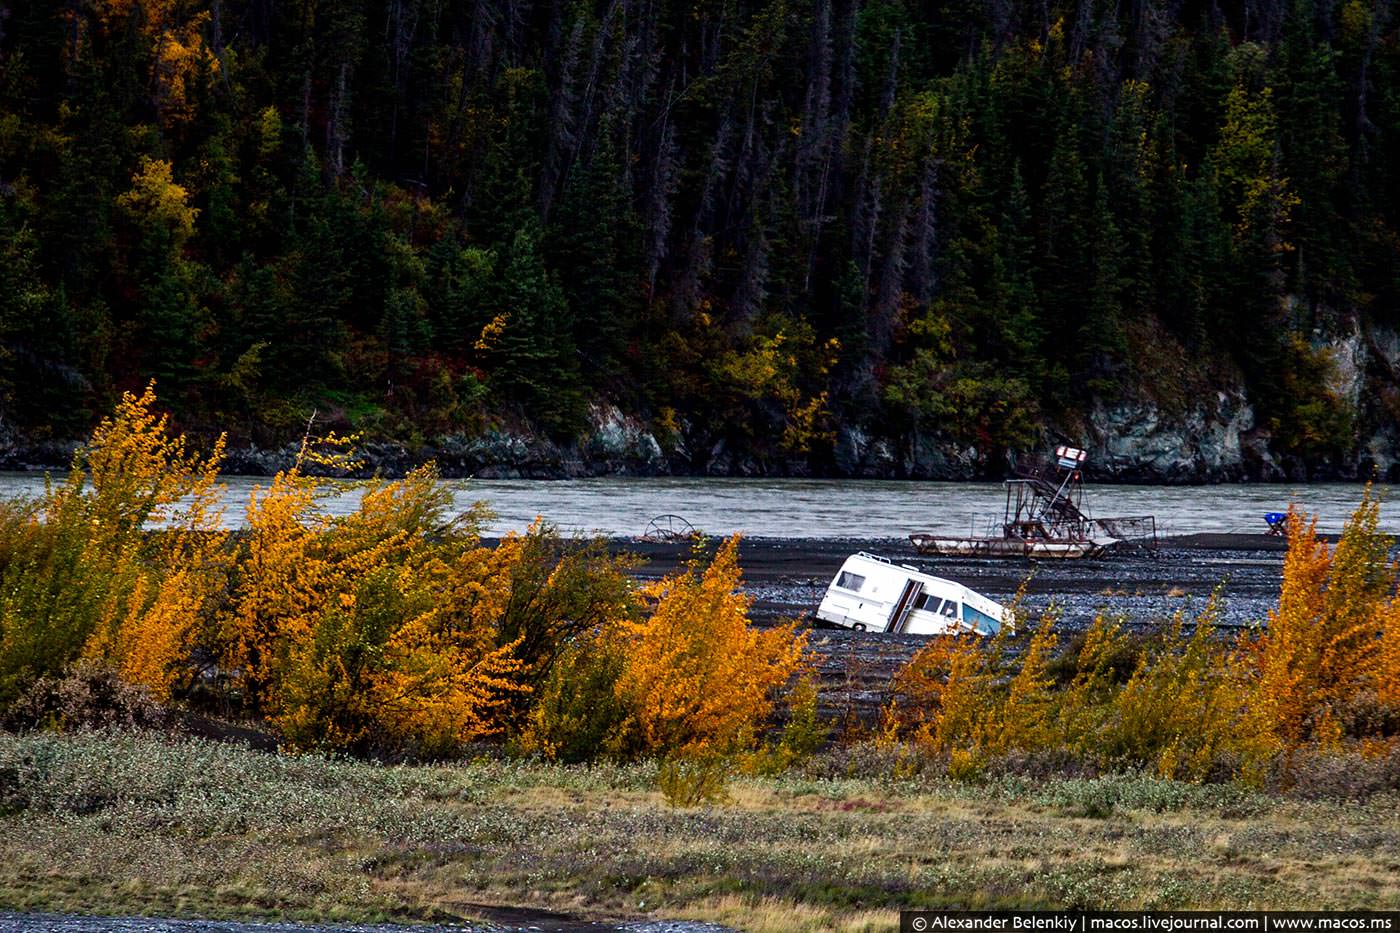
x=787, y=578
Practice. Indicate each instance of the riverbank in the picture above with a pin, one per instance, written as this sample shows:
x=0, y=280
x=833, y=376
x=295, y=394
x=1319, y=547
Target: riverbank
x=146, y=824
x=1133, y=446
x=787, y=577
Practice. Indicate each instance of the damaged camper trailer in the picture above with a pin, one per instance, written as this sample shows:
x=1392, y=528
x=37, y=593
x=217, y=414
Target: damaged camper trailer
x=874, y=594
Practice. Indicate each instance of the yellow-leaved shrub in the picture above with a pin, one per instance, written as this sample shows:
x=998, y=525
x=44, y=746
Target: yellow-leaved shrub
x=1025, y=719
x=1086, y=709
x=116, y=562
x=394, y=627
x=1329, y=648
x=390, y=627
x=1177, y=712
x=1323, y=674
x=1387, y=671
x=962, y=697
x=696, y=676
x=379, y=627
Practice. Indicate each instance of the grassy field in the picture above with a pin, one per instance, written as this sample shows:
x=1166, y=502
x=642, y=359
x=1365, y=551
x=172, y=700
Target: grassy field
x=143, y=823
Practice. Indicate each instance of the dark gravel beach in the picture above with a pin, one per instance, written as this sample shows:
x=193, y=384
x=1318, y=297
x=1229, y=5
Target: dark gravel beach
x=787, y=578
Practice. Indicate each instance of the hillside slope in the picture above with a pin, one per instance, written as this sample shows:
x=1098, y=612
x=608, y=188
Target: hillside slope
x=872, y=237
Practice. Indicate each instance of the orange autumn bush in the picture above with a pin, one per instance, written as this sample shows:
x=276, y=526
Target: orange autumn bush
x=965, y=698
x=1387, y=676
x=392, y=667
x=1321, y=675
x=300, y=564
x=81, y=574
x=559, y=592
x=696, y=677
x=930, y=692
x=377, y=628
x=692, y=680
x=1327, y=657
x=424, y=641
x=389, y=628
x=1026, y=719
x=392, y=627
x=395, y=629
x=943, y=695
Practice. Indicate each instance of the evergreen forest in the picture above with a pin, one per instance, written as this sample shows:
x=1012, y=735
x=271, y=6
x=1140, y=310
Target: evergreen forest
x=754, y=222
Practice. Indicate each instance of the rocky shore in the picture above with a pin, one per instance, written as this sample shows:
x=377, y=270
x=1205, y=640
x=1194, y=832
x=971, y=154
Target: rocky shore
x=1215, y=440
x=1205, y=428
x=1205, y=436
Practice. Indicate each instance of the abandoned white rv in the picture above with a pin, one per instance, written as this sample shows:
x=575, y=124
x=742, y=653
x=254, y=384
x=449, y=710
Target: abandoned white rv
x=874, y=594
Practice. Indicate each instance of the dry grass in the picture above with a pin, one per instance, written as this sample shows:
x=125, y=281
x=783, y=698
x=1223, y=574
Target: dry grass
x=772, y=915
x=141, y=823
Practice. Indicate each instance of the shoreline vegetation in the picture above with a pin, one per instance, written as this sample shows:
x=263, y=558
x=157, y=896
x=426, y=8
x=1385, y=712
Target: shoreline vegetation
x=528, y=723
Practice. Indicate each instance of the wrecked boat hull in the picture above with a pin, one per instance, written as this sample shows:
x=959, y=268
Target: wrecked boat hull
x=942, y=546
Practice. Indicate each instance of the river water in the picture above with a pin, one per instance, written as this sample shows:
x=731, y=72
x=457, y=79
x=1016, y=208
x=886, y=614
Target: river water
x=797, y=508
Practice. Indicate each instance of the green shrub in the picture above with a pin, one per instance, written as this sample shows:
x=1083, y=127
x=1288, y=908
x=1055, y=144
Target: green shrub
x=689, y=781
x=577, y=715
x=802, y=735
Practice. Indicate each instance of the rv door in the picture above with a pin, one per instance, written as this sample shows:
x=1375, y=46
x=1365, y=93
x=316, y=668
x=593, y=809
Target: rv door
x=900, y=615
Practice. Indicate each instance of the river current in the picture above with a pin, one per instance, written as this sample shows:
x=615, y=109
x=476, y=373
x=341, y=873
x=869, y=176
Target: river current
x=833, y=508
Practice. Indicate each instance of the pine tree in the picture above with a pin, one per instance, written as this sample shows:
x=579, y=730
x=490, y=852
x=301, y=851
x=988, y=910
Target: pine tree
x=535, y=362
x=594, y=245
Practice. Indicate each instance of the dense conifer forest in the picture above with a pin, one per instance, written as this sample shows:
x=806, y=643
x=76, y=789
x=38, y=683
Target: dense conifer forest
x=755, y=221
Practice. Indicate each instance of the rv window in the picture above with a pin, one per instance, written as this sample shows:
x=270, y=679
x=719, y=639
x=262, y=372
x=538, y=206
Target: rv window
x=850, y=581
x=980, y=620
x=927, y=601
x=950, y=608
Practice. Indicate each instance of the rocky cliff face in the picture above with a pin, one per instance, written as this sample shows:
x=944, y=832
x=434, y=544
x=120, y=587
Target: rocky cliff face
x=18, y=452
x=1214, y=438
x=1218, y=440
x=614, y=444
x=921, y=456
x=1380, y=443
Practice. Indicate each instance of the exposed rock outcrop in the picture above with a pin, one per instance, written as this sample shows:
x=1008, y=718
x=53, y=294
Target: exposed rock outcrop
x=18, y=452
x=1213, y=441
